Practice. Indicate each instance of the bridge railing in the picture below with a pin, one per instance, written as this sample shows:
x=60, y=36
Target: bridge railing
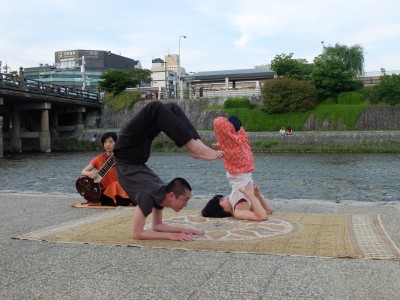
x=14, y=82
x=7, y=80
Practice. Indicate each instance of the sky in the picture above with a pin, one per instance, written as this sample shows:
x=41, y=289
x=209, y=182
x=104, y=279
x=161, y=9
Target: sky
x=220, y=34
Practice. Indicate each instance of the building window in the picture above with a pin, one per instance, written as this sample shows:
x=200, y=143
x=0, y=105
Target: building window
x=68, y=63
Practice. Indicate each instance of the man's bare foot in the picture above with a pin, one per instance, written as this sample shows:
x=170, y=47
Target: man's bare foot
x=197, y=149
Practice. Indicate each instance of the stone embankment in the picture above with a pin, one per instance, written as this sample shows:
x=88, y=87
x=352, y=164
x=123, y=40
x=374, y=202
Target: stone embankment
x=378, y=125
x=317, y=140
x=322, y=138
x=373, y=118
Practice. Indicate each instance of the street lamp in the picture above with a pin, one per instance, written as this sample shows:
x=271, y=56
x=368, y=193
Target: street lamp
x=166, y=79
x=179, y=66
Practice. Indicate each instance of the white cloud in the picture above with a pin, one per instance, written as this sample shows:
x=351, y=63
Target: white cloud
x=220, y=34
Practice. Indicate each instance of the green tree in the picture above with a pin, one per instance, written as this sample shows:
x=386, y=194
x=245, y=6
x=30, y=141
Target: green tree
x=281, y=95
x=116, y=81
x=286, y=66
x=389, y=89
x=351, y=57
x=141, y=76
x=335, y=70
x=13, y=74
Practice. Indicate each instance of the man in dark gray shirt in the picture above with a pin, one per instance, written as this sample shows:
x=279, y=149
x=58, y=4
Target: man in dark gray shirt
x=144, y=187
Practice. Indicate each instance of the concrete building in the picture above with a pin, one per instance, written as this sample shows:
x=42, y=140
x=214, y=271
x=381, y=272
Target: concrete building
x=164, y=77
x=224, y=83
x=80, y=68
x=227, y=83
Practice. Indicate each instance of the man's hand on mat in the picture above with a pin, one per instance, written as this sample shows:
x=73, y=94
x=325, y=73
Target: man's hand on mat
x=186, y=234
x=183, y=237
x=192, y=231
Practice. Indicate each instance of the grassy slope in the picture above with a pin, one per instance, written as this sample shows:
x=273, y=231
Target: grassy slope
x=257, y=120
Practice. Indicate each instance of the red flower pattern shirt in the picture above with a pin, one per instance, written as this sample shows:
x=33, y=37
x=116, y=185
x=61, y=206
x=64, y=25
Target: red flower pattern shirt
x=238, y=156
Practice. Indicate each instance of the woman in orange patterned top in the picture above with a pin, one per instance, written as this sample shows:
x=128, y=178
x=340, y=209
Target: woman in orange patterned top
x=113, y=194
x=245, y=201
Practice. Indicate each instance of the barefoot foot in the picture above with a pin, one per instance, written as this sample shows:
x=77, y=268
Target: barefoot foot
x=197, y=149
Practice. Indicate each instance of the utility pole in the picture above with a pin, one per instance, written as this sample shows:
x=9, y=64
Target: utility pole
x=6, y=67
x=166, y=91
x=179, y=86
x=84, y=77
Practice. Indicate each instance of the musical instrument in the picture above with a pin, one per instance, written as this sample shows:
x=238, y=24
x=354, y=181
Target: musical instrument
x=91, y=189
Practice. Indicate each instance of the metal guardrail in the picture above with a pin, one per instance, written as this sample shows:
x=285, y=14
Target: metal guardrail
x=36, y=86
x=226, y=93
x=380, y=73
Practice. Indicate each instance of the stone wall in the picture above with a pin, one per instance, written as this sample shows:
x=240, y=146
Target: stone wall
x=373, y=118
x=90, y=138
x=377, y=125
x=330, y=138
x=379, y=118
x=194, y=109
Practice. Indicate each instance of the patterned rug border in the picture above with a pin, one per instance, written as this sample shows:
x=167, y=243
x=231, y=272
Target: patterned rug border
x=364, y=235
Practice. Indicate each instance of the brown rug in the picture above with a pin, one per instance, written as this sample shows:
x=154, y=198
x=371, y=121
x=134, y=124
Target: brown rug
x=300, y=234
x=88, y=205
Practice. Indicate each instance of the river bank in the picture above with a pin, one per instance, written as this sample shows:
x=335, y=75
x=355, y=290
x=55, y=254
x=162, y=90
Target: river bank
x=377, y=131
x=302, y=141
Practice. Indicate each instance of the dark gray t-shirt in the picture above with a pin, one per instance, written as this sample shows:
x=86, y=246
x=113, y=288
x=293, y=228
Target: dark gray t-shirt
x=142, y=185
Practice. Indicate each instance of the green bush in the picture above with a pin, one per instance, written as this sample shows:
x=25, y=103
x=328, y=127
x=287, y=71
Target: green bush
x=330, y=101
x=389, y=89
x=370, y=94
x=122, y=100
x=236, y=103
x=373, y=97
x=351, y=98
x=283, y=95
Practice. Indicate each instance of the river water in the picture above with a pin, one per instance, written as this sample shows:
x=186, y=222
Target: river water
x=326, y=177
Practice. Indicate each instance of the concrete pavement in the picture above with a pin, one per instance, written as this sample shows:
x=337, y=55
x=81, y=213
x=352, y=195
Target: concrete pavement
x=42, y=270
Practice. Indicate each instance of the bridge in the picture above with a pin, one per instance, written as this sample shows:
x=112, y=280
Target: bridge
x=31, y=112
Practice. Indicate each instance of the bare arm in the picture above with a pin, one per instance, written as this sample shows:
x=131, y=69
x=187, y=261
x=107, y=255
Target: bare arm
x=139, y=233
x=258, y=213
x=159, y=226
x=88, y=171
x=265, y=204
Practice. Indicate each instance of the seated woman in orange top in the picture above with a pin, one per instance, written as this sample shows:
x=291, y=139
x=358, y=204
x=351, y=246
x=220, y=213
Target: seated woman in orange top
x=113, y=194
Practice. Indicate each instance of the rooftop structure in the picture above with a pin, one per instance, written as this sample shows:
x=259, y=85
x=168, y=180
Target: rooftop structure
x=80, y=68
x=256, y=74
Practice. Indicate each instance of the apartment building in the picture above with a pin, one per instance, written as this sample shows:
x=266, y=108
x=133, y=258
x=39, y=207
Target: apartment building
x=80, y=68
